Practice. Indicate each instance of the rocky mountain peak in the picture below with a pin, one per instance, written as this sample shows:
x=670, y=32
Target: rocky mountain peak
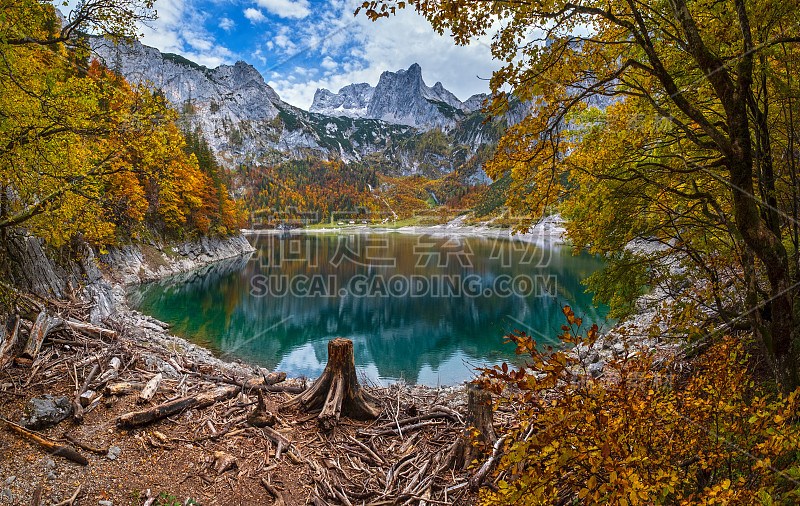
x=217, y=99
x=400, y=97
x=351, y=101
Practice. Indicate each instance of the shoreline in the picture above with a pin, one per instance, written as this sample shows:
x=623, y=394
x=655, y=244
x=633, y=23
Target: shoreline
x=549, y=230
x=630, y=333
x=155, y=334
x=169, y=457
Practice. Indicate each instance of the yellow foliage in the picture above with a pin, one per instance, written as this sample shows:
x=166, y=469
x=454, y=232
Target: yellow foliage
x=82, y=153
x=706, y=435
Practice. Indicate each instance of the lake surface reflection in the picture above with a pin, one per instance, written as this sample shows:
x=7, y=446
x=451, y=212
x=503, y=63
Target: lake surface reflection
x=428, y=309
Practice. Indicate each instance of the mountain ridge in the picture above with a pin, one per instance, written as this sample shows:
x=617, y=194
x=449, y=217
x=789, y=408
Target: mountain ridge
x=400, y=97
x=245, y=121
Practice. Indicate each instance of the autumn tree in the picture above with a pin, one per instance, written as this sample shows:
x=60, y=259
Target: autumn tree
x=666, y=119
x=84, y=154
x=52, y=114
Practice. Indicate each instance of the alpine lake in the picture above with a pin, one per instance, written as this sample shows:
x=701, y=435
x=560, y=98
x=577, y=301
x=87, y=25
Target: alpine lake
x=426, y=309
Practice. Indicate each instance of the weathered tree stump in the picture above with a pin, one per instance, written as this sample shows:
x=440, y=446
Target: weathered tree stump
x=479, y=418
x=337, y=391
x=260, y=417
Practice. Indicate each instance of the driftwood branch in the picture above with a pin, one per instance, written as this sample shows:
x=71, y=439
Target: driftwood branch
x=50, y=446
x=88, y=329
x=150, y=389
x=477, y=479
x=43, y=325
x=275, y=493
x=71, y=500
x=112, y=372
x=202, y=400
x=122, y=388
x=84, y=446
x=77, y=407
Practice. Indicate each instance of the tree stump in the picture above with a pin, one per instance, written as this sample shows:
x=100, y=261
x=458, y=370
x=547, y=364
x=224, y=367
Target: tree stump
x=479, y=418
x=337, y=391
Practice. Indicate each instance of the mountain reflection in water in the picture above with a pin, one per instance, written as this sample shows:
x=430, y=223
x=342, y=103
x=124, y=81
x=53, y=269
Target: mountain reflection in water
x=428, y=309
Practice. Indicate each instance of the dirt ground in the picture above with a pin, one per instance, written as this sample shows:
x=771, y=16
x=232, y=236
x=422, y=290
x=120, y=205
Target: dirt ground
x=176, y=460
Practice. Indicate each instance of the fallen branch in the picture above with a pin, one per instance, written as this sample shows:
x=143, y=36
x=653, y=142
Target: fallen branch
x=90, y=330
x=150, y=389
x=374, y=456
x=109, y=374
x=280, y=440
x=71, y=500
x=77, y=407
x=429, y=416
x=201, y=400
x=84, y=446
x=43, y=325
x=53, y=448
x=122, y=388
x=476, y=480
x=266, y=380
x=275, y=493
x=409, y=428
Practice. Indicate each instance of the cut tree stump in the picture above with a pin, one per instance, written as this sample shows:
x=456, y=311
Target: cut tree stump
x=479, y=418
x=337, y=392
x=260, y=417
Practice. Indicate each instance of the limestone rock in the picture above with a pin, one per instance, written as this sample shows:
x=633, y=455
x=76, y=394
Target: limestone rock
x=41, y=413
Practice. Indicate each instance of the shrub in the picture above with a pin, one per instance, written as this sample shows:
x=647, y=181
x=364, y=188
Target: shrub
x=713, y=434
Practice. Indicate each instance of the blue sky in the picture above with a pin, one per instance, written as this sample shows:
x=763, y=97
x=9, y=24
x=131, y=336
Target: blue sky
x=300, y=45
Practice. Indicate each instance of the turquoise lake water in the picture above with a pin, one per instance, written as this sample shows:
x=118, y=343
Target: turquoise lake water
x=427, y=309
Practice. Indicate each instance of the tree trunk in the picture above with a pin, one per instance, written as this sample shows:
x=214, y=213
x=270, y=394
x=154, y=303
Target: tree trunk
x=337, y=391
x=479, y=418
x=8, y=339
x=782, y=353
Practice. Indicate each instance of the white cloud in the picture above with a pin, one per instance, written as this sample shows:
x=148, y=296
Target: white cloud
x=226, y=24
x=198, y=41
x=392, y=43
x=214, y=58
x=328, y=63
x=286, y=8
x=254, y=15
x=180, y=29
x=284, y=42
x=259, y=55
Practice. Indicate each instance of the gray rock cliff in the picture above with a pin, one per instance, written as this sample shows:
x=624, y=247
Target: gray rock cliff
x=400, y=97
